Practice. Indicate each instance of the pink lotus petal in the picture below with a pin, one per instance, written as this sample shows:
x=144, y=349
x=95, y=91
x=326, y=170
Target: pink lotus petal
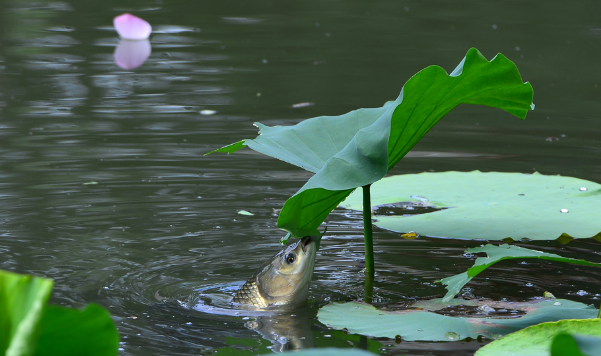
x=132, y=54
x=132, y=27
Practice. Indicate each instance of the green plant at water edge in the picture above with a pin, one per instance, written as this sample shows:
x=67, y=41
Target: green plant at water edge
x=30, y=327
x=358, y=148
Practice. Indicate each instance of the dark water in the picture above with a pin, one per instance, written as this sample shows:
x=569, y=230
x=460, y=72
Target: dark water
x=103, y=186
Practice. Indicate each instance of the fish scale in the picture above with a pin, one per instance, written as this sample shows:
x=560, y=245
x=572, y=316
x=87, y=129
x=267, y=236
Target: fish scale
x=249, y=294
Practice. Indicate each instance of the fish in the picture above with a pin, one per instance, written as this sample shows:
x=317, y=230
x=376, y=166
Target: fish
x=283, y=280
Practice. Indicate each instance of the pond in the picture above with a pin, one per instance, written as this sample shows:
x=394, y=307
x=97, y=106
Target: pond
x=104, y=187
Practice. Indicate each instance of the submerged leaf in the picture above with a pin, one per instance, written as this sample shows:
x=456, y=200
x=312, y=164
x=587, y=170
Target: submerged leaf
x=419, y=325
x=489, y=206
x=358, y=148
x=550, y=339
x=496, y=254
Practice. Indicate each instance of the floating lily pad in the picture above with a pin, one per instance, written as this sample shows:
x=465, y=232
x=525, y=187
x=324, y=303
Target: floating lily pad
x=420, y=325
x=489, y=206
x=550, y=339
x=358, y=148
x=496, y=254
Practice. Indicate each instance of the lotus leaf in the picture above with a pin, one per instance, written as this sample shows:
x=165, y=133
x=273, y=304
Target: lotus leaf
x=420, y=325
x=490, y=206
x=496, y=254
x=550, y=338
x=22, y=302
x=575, y=345
x=89, y=331
x=29, y=327
x=358, y=148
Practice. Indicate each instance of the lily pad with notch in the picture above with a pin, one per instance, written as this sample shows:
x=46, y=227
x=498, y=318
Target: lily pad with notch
x=422, y=323
x=489, y=206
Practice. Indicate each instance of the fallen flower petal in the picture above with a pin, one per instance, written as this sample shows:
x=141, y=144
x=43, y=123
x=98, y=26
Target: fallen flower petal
x=132, y=27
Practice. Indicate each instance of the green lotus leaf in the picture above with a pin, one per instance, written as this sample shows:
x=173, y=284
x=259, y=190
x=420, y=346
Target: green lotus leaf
x=489, y=206
x=358, y=148
x=424, y=325
x=496, y=254
x=565, y=337
x=89, y=331
x=29, y=327
x=575, y=345
x=22, y=303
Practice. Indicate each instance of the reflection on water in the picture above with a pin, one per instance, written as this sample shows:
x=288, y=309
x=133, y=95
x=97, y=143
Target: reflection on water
x=104, y=189
x=287, y=329
x=132, y=54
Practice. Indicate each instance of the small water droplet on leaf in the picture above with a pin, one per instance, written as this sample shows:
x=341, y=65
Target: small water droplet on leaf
x=451, y=336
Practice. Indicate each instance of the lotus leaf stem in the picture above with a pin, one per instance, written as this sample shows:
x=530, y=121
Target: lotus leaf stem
x=369, y=244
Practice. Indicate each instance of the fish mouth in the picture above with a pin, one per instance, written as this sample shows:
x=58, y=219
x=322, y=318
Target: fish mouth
x=305, y=242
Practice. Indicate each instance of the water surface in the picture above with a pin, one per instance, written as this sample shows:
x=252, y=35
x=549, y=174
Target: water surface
x=103, y=186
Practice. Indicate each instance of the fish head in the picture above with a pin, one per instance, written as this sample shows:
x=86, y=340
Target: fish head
x=286, y=278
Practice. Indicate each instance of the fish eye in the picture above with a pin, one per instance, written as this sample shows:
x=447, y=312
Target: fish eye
x=290, y=258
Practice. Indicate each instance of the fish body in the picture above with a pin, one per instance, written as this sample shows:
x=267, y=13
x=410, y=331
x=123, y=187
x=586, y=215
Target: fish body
x=283, y=280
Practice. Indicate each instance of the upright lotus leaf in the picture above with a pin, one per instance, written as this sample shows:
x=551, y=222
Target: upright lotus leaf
x=489, y=206
x=496, y=254
x=422, y=324
x=22, y=303
x=549, y=339
x=358, y=148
